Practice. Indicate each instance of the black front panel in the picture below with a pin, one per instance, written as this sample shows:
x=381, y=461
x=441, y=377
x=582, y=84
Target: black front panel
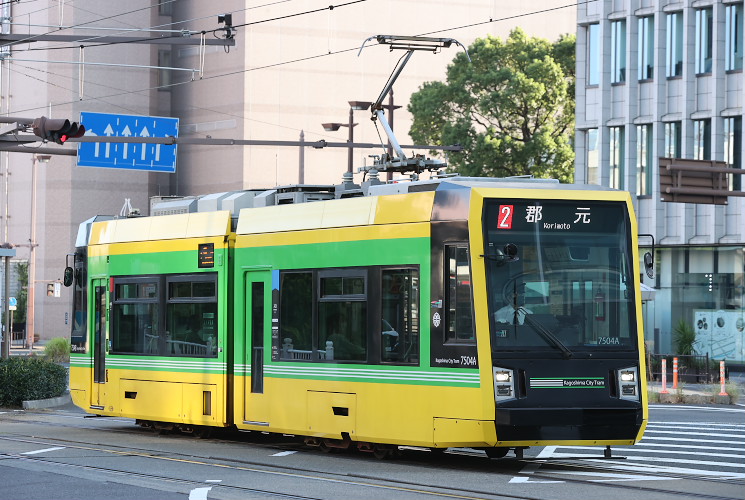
x=567, y=399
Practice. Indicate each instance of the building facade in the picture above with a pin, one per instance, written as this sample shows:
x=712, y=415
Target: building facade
x=294, y=66
x=659, y=78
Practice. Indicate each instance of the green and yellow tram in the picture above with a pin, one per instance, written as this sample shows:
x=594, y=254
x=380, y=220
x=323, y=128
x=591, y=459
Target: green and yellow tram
x=487, y=313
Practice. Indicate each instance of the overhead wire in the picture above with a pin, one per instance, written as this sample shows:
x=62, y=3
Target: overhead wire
x=312, y=57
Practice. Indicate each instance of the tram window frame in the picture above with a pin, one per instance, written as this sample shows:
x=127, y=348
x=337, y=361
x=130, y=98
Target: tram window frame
x=192, y=332
x=451, y=311
x=160, y=304
x=350, y=309
x=407, y=340
x=288, y=303
x=136, y=340
x=369, y=298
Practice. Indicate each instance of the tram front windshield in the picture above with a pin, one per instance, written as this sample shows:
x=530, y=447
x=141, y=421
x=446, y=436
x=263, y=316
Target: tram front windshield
x=559, y=276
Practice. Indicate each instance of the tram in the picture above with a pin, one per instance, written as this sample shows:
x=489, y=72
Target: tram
x=448, y=312
x=455, y=312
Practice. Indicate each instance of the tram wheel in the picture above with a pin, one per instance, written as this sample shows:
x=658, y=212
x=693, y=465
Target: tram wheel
x=202, y=432
x=324, y=446
x=497, y=452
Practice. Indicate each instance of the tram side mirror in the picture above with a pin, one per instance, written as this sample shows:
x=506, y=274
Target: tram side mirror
x=507, y=254
x=649, y=265
x=510, y=251
x=69, y=276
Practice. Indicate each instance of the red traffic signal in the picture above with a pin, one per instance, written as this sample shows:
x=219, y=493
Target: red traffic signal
x=57, y=130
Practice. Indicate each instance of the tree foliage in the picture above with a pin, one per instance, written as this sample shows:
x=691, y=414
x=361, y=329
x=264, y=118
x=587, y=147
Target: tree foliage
x=511, y=108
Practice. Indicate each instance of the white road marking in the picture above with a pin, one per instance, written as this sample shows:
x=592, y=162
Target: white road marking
x=199, y=493
x=44, y=450
x=283, y=453
x=213, y=481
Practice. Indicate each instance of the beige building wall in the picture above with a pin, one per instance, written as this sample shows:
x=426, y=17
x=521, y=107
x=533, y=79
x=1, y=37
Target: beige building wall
x=281, y=78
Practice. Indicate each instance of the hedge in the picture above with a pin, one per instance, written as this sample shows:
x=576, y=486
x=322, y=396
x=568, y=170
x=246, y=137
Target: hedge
x=29, y=378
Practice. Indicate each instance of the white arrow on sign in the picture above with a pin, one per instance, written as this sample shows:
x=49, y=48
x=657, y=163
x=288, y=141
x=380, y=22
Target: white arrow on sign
x=126, y=133
x=108, y=131
x=145, y=133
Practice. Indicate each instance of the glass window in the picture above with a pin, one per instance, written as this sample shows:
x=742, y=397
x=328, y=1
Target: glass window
x=181, y=322
x=570, y=287
x=296, y=315
x=342, y=315
x=733, y=37
x=643, y=160
x=400, y=310
x=733, y=148
x=702, y=139
x=645, y=61
x=704, y=40
x=458, y=306
x=618, y=52
x=673, y=140
x=674, y=48
x=191, y=316
x=616, y=145
x=593, y=54
x=79, y=334
x=593, y=157
x=164, y=74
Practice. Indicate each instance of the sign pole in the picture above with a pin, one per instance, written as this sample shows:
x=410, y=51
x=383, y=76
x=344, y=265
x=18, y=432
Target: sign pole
x=7, y=253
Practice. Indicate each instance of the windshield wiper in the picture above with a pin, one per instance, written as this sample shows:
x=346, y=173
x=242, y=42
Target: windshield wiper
x=545, y=333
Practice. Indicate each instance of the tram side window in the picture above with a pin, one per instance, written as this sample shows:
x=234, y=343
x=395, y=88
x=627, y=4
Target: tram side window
x=135, y=325
x=458, y=302
x=296, y=315
x=342, y=314
x=191, y=316
x=173, y=315
x=400, y=311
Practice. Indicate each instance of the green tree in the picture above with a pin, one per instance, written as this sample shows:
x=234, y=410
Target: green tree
x=511, y=108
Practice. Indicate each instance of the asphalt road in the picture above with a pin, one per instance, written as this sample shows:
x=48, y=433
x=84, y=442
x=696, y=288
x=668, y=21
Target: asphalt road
x=687, y=452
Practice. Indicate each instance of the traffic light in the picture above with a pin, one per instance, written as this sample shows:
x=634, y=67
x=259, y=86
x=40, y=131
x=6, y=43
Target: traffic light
x=57, y=130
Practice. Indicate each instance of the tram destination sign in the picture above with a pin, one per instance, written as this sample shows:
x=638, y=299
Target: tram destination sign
x=130, y=156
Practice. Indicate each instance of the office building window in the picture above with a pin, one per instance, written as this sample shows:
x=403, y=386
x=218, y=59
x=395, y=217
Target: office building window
x=733, y=37
x=674, y=47
x=618, y=51
x=646, y=49
x=593, y=158
x=164, y=73
x=702, y=139
x=616, y=157
x=593, y=54
x=704, y=40
x=733, y=148
x=672, y=140
x=643, y=160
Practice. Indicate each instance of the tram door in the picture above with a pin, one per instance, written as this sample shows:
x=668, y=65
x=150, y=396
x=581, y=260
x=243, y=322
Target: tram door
x=258, y=315
x=99, y=343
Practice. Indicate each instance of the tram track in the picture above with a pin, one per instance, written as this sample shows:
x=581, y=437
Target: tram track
x=349, y=479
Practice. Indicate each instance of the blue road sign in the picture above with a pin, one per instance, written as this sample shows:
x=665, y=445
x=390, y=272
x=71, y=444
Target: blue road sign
x=12, y=301
x=150, y=157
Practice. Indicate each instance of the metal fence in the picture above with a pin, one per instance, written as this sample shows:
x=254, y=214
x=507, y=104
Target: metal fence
x=691, y=368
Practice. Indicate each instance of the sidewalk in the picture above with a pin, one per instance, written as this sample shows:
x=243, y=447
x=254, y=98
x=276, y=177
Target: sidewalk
x=693, y=393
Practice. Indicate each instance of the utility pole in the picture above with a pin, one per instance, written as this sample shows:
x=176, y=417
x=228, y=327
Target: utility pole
x=32, y=253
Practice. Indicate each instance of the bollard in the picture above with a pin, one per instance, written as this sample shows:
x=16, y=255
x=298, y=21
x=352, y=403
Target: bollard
x=664, y=377
x=675, y=373
x=722, y=392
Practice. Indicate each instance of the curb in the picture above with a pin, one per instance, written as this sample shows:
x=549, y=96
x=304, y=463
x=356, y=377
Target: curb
x=47, y=403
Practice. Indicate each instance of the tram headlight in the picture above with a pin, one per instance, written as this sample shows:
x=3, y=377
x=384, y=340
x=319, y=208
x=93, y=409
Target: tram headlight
x=504, y=384
x=627, y=384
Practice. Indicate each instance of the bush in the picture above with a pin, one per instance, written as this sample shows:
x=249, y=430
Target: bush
x=57, y=350
x=24, y=379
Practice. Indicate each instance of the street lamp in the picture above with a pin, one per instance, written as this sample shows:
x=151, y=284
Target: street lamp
x=32, y=253
x=334, y=126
